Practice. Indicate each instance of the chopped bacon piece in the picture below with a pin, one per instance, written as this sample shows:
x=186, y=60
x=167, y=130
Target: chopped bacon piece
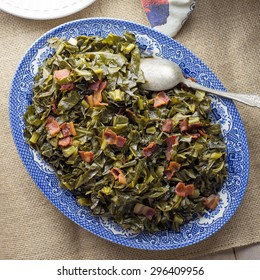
x=184, y=125
x=184, y=190
x=120, y=141
x=180, y=189
x=171, y=169
x=112, y=138
x=61, y=74
x=150, y=149
x=52, y=126
x=86, y=156
x=161, y=99
x=190, y=129
x=95, y=86
x=65, y=142
x=171, y=140
x=167, y=126
x=68, y=129
x=97, y=94
x=141, y=209
x=190, y=189
x=69, y=86
x=118, y=175
x=65, y=129
x=96, y=98
x=211, y=202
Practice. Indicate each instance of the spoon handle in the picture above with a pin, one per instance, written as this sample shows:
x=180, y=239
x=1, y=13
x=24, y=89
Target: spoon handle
x=251, y=99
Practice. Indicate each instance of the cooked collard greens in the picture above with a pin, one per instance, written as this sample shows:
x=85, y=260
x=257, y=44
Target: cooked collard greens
x=148, y=160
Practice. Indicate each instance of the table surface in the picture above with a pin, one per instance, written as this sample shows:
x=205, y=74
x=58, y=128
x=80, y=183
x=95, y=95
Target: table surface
x=251, y=252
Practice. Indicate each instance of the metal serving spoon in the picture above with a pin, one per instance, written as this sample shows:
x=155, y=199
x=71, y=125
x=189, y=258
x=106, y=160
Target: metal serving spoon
x=161, y=74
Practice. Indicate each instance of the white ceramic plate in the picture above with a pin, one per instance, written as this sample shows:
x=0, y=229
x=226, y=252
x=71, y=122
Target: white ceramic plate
x=43, y=9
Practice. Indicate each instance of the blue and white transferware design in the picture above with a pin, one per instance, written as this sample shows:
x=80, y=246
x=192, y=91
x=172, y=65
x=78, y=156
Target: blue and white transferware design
x=224, y=112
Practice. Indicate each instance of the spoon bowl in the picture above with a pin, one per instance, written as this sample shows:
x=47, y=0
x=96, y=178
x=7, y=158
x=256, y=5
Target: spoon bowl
x=162, y=74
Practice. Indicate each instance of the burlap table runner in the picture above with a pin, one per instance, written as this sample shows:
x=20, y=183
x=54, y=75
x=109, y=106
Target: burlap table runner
x=226, y=35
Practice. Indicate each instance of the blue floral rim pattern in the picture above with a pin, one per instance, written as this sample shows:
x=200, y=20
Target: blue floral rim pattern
x=151, y=42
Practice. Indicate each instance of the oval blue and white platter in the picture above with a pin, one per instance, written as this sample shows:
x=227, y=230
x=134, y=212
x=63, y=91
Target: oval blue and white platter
x=224, y=112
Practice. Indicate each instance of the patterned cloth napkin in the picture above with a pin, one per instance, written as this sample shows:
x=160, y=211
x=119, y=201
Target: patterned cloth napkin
x=168, y=16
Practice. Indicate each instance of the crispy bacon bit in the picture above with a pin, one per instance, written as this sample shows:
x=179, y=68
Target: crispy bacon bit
x=171, y=140
x=52, y=126
x=180, y=189
x=65, y=142
x=161, y=99
x=118, y=175
x=65, y=129
x=190, y=129
x=184, y=125
x=184, y=190
x=120, y=141
x=211, y=202
x=86, y=156
x=95, y=86
x=68, y=129
x=141, y=209
x=167, y=126
x=150, y=149
x=171, y=169
x=193, y=128
x=61, y=74
x=69, y=86
x=53, y=106
x=112, y=138
x=190, y=189
x=96, y=98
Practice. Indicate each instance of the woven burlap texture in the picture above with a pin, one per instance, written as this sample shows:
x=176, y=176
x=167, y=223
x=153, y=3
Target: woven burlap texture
x=226, y=36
